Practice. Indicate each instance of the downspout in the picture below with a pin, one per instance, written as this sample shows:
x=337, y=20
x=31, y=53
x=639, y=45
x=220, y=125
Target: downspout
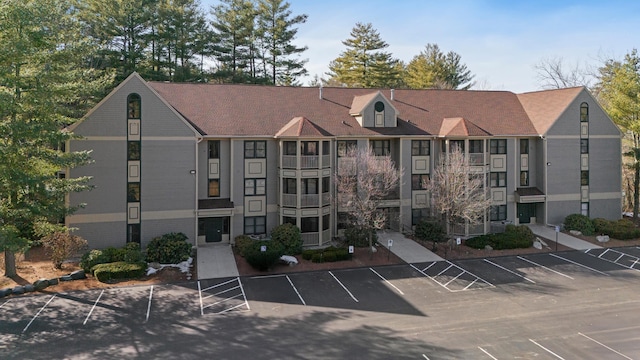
x=198, y=141
x=546, y=175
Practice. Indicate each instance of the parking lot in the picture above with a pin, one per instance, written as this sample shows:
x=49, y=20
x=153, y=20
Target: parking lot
x=416, y=293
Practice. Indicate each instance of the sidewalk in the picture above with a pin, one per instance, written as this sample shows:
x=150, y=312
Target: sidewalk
x=549, y=232
x=216, y=261
x=406, y=249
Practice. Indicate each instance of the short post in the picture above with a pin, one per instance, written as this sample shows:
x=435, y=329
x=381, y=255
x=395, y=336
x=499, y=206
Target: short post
x=389, y=244
x=557, y=231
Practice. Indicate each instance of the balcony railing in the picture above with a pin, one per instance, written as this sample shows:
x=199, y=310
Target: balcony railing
x=289, y=161
x=326, y=161
x=290, y=200
x=476, y=159
x=326, y=198
x=309, y=161
x=307, y=200
x=313, y=238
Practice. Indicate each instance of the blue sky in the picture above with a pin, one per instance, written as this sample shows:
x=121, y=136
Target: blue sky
x=499, y=41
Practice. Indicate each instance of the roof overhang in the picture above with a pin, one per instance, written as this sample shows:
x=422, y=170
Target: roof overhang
x=529, y=195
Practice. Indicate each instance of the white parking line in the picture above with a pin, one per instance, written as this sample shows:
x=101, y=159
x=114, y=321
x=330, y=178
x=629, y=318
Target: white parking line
x=296, y=290
x=244, y=295
x=430, y=265
x=218, y=285
x=200, y=293
x=442, y=272
x=507, y=270
x=616, y=260
x=222, y=301
x=472, y=274
x=427, y=275
x=344, y=287
x=601, y=344
x=239, y=286
x=547, y=350
x=457, y=276
x=149, y=304
x=5, y=303
x=576, y=263
x=93, y=307
x=544, y=267
x=387, y=281
x=38, y=313
x=486, y=352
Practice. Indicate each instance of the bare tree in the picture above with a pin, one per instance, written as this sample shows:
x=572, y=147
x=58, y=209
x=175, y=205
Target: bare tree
x=456, y=193
x=553, y=74
x=362, y=181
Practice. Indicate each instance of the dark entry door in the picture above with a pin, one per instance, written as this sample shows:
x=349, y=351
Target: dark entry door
x=213, y=229
x=525, y=212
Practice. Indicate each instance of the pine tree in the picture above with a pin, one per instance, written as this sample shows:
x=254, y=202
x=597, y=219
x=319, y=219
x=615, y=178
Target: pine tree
x=44, y=86
x=432, y=69
x=276, y=28
x=364, y=63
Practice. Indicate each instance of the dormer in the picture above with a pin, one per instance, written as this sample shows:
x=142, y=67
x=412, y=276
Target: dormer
x=374, y=110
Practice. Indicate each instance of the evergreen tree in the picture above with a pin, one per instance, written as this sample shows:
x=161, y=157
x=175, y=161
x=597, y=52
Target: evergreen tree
x=276, y=28
x=432, y=69
x=44, y=86
x=364, y=63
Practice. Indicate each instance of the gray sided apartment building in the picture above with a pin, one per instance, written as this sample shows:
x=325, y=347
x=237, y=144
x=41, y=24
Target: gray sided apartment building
x=216, y=161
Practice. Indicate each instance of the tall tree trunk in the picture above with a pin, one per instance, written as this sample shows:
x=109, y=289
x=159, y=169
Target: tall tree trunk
x=636, y=179
x=9, y=264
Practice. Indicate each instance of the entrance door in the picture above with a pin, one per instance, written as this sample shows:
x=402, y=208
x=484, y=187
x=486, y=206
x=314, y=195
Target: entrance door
x=213, y=229
x=526, y=212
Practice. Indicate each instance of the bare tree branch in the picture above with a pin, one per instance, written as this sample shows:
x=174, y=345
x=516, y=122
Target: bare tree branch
x=553, y=73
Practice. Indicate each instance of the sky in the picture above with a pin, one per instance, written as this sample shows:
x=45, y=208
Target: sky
x=499, y=41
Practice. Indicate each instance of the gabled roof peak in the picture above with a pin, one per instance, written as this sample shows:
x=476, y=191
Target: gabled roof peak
x=301, y=126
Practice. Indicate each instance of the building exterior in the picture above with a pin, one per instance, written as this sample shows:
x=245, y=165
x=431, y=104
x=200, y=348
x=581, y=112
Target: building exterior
x=217, y=161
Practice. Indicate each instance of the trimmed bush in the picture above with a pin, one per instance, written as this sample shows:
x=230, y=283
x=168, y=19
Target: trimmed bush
x=263, y=260
x=622, y=229
x=359, y=236
x=307, y=254
x=579, y=222
x=329, y=256
x=317, y=258
x=289, y=236
x=129, y=253
x=430, y=231
x=171, y=248
x=93, y=258
x=119, y=270
x=242, y=242
x=514, y=237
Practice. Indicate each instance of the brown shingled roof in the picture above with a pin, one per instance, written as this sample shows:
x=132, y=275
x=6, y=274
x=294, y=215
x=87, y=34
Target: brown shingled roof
x=452, y=127
x=253, y=110
x=545, y=107
x=300, y=126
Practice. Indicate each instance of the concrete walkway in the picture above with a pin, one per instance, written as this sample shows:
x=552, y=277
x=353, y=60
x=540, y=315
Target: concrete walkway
x=549, y=232
x=405, y=248
x=216, y=261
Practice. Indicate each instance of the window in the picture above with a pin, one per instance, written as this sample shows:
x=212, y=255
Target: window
x=418, y=215
x=498, y=179
x=584, y=146
x=420, y=147
x=584, y=208
x=326, y=184
x=289, y=148
x=584, y=177
x=214, y=149
x=326, y=221
x=133, y=233
x=498, y=212
x=309, y=148
x=309, y=225
x=133, y=192
x=584, y=112
x=381, y=147
x=524, y=146
x=289, y=186
x=255, y=225
x=524, y=178
x=309, y=186
x=133, y=150
x=255, y=186
x=133, y=106
x=345, y=145
x=475, y=147
x=214, y=187
x=456, y=144
x=498, y=146
x=379, y=106
x=255, y=149
x=326, y=148
x=419, y=182
x=289, y=220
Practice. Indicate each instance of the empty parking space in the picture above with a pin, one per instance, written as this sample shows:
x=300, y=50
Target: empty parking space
x=451, y=276
x=617, y=256
x=528, y=270
x=219, y=296
x=492, y=272
x=174, y=301
x=322, y=290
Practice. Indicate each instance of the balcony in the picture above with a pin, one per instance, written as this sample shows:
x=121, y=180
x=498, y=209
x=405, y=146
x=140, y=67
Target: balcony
x=316, y=238
x=476, y=159
x=309, y=161
x=306, y=200
x=289, y=161
x=309, y=200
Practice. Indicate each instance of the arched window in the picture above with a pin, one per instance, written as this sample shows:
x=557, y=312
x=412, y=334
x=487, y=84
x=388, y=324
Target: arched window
x=379, y=114
x=584, y=112
x=133, y=106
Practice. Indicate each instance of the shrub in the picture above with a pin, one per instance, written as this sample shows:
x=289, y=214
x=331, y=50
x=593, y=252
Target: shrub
x=329, y=256
x=93, y=258
x=342, y=254
x=129, y=253
x=622, y=229
x=479, y=242
x=579, y=222
x=359, y=236
x=242, y=242
x=263, y=260
x=520, y=231
x=430, y=231
x=118, y=270
x=61, y=245
x=514, y=237
x=307, y=254
x=317, y=258
x=171, y=248
x=289, y=236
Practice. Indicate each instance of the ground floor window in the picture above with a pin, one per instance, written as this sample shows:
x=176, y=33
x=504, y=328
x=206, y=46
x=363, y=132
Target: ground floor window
x=255, y=225
x=418, y=215
x=133, y=233
x=584, y=208
x=498, y=212
x=309, y=225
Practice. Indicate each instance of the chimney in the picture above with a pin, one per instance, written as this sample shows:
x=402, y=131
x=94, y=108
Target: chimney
x=392, y=98
x=320, y=88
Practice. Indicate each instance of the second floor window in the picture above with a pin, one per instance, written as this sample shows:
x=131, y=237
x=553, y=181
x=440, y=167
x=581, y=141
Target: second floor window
x=255, y=186
x=309, y=148
x=498, y=146
x=255, y=149
x=584, y=177
x=345, y=145
x=289, y=186
x=381, y=147
x=584, y=146
x=309, y=186
x=524, y=146
x=498, y=179
x=524, y=178
x=214, y=188
x=214, y=149
x=420, y=147
x=289, y=148
x=584, y=112
x=475, y=147
x=419, y=182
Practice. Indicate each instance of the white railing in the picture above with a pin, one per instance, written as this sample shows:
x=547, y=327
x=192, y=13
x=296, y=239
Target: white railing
x=476, y=159
x=309, y=200
x=309, y=161
x=326, y=237
x=326, y=198
x=310, y=239
x=289, y=161
x=290, y=200
x=326, y=161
